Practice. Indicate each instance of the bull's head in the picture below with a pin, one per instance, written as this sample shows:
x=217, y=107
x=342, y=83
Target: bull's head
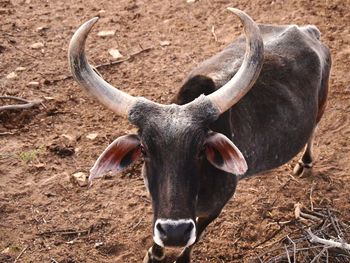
x=174, y=140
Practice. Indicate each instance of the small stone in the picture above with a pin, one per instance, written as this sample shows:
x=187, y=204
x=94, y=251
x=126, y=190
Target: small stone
x=6, y=251
x=101, y=12
x=37, y=45
x=165, y=43
x=115, y=53
x=79, y=178
x=33, y=84
x=39, y=165
x=20, y=69
x=41, y=28
x=191, y=1
x=68, y=137
x=92, y=136
x=106, y=33
x=12, y=75
x=98, y=244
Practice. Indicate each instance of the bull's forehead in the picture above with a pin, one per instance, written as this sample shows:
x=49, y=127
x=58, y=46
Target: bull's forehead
x=173, y=117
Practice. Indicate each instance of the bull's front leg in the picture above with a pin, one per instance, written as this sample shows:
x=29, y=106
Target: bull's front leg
x=202, y=223
x=155, y=254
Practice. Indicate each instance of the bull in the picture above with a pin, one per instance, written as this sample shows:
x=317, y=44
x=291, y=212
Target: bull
x=248, y=109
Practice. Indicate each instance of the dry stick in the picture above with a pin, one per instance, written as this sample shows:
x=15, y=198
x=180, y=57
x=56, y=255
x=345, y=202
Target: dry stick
x=108, y=63
x=27, y=103
x=311, y=199
x=65, y=232
x=335, y=227
x=6, y=133
x=294, y=248
x=311, y=217
x=137, y=224
x=287, y=252
x=213, y=32
x=271, y=237
x=125, y=59
x=20, y=254
x=329, y=243
x=319, y=255
x=25, y=52
x=314, y=213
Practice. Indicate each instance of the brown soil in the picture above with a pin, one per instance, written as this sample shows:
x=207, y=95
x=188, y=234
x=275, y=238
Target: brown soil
x=40, y=148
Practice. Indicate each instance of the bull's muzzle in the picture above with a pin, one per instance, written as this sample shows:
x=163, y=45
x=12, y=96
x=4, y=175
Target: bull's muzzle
x=174, y=233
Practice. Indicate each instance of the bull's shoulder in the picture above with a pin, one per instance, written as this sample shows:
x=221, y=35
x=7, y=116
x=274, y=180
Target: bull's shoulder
x=276, y=32
x=290, y=44
x=295, y=42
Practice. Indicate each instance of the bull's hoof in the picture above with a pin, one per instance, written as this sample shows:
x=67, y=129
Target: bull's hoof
x=185, y=256
x=182, y=260
x=149, y=258
x=302, y=169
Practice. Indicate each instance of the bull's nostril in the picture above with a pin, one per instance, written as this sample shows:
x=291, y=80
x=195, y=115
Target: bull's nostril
x=160, y=229
x=189, y=228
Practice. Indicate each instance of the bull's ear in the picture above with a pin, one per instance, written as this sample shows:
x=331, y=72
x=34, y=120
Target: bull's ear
x=224, y=155
x=117, y=156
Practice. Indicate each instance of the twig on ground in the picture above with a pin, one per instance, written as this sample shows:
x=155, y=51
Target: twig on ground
x=310, y=197
x=20, y=254
x=294, y=179
x=213, y=32
x=308, y=216
x=6, y=133
x=66, y=232
x=125, y=59
x=53, y=260
x=294, y=249
x=335, y=226
x=319, y=255
x=274, y=234
x=104, y=65
x=23, y=51
x=329, y=243
x=287, y=252
x=26, y=105
x=137, y=224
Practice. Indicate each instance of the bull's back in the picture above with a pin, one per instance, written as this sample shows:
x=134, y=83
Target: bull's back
x=273, y=122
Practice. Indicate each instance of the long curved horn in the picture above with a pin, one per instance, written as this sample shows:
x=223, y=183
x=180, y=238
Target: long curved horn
x=229, y=94
x=118, y=101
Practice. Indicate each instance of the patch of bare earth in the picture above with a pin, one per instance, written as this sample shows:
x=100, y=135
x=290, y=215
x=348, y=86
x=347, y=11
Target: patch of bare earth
x=45, y=217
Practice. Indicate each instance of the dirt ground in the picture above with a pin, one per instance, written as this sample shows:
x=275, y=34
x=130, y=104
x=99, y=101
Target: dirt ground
x=44, y=217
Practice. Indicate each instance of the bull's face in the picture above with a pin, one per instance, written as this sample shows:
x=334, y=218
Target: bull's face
x=172, y=151
x=174, y=140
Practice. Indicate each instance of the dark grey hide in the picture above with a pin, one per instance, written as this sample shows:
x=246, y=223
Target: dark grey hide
x=275, y=119
x=270, y=125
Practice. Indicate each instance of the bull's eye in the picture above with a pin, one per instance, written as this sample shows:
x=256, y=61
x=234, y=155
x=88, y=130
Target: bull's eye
x=143, y=151
x=200, y=153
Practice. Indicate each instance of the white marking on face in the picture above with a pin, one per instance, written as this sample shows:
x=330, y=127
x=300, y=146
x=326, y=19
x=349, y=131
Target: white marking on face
x=156, y=236
x=143, y=173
